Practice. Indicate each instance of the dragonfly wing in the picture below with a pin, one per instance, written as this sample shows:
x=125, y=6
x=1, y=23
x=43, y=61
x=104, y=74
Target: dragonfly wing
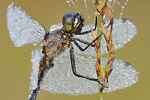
x=60, y=78
x=36, y=57
x=22, y=29
x=123, y=31
x=123, y=75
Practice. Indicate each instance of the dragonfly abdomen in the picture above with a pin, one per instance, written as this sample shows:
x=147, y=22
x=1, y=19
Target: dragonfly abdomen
x=45, y=65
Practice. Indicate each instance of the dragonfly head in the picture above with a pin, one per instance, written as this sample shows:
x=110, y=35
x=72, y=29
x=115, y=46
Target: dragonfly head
x=73, y=22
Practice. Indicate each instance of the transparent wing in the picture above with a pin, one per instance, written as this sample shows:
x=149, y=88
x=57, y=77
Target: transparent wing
x=36, y=57
x=22, y=29
x=123, y=31
x=60, y=78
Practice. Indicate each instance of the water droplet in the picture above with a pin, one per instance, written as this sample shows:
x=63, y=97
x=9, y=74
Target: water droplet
x=110, y=0
x=34, y=44
x=118, y=3
x=113, y=3
x=104, y=17
x=85, y=3
x=68, y=1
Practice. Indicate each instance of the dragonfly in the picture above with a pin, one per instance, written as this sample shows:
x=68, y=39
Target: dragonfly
x=51, y=62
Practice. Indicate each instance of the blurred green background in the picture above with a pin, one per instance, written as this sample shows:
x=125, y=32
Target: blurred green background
x=15, y=65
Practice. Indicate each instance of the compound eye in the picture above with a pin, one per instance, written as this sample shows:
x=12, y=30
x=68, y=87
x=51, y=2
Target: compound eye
x=67, y=21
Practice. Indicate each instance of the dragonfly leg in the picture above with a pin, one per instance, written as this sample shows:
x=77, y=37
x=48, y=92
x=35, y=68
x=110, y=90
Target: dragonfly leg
x=45, y=65
x=72, y=58
x=83, y=41
x=89, y=44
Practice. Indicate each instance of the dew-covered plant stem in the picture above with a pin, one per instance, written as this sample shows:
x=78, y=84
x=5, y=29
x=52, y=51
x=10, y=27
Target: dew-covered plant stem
x=103, y=72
